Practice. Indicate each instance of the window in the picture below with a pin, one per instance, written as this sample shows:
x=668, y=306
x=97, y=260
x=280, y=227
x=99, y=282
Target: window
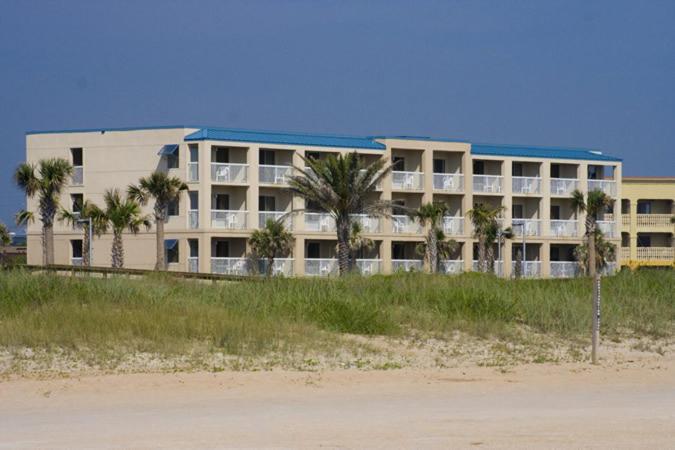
x=593, y=173
x=398, y=206
x=313, y=250
x=555, y=170
x=644, y=240
x=220, y=202
x=555, y=212
x=222, y=249
x=220, y=154
x=398, y=163
x=267, y=203
x=76, y=248
x=193, y=245
x=517, y=170
x=171, y=250
x=397, y=251
x=478, y=167
x=312, y=206
x=644, y=207
x=267, y=157
x=517, y=211
x=555, y=253
x=194, y=153
x=194, y=200
x=172, y=208
x=439, y=166
x=170, y=152
x=312, y=155
x=77, y=200
x=76, y=155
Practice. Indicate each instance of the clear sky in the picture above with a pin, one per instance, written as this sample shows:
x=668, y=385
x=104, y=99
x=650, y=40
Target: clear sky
x=598, y=74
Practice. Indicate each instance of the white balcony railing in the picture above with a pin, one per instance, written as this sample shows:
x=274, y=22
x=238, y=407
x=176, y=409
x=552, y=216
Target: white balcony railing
x=526, y=185
x=606, y=186
x=625, y=253
x=369, y=224
x=407, y=181
x=280, y=267
x=607, y=227
x=625, y=220
x=193, y=264
x=193, y=171
x=230, y=266
x=407, y=265
x=564, y=269
x=488, y=183
x=230, y=219
x=368, y=266
x=193, y=219
x=498, y=267
x=448, y=182
x=77, y=179
x=530, y=269
x=531, y=227
x=655, y=253
x=564, y=186
x=453, y=226
x=321, y=267
x=264, y=216
x=319, y=222
x=451, y=266
x=654, y=220
x=229, y=173
x=378, y=186
x=564, y=228
x=76, y=261
x=404, y=224
x=278, y=175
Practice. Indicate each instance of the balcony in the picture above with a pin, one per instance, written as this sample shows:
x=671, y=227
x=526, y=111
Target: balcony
x=448, y=182
x=531, y=269
x=193, y=171
x=498, y=269
x=531, y=227
x=193, y=219
x=452, y=266
x=78, y=262
x=404, y=224
x=407, y=265
x=407, y=181
x=453, y=226
x=368, y=266
x=564, y=269
x=378, y=186
x=284, y=216
x=625, y=220
x=489, y=184
x=607, y=227
x=369, y=224
x=276, y=175
x=654, y=220
x=526, y=185
x=321, y=267
x=77, y=178
x=606, y=186
x=280, y=267
x=655, y=254
x=319, y=222
x=564, y=186
x=229, y=173
x=564, y=228
x=193, y=264
x=625, y=253
x=229, y=219
x=229, y=266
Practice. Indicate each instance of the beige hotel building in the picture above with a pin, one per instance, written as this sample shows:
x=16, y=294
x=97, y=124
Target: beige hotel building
x=237, y=179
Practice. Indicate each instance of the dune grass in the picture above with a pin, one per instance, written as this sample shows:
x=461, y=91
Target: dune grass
x=167, y=316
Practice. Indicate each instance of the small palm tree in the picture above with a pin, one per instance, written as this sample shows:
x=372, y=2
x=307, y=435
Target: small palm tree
x=5, y=239
x=271, y=241
x=358, y=242
x=46, y=180
x=443, y=247
x=595, y=203
x=430, y=215
x=484, y=220
x=605, y=252
x=99, y=224
x=495, y=232
x=121, y=214
x=164, y=189
x=341, y=185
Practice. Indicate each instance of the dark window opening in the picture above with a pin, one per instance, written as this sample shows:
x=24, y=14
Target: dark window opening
x=220, y=155
x=194, y=200
x=478, y=168
x=194, y=153
x=398, y=251
x=439, y=166
x=267, y=203
x=77, y=200
x=398, y=163
x=555, y=170
x=267, y=157
x=76, y=247
x=222, y=249
x=517, y=170
x=193, y=244
x=644, y=241
x=171, y=247
x=313, y=250
x=555, y=212
x=76, y=155
x=220, y=202
x=172, y=208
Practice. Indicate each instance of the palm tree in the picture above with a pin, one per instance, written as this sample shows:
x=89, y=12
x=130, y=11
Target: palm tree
x=121, y=214
x=605, y=252
x=358, y=242
x=595, y=203
x=495, y=232
x=99, y=224
x=484, y=220
x=340, y=185
x=430, y=215
x=271, y=241
x=5, y=239
x=46, y=180
x=443, y=247
x=164, y=189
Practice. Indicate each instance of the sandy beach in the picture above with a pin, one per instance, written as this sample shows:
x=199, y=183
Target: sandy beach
x=574, y=405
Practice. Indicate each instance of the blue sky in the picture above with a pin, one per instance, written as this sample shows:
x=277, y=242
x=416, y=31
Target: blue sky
x=598, y=74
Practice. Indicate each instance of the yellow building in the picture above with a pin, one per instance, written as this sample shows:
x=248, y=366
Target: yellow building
x=647, y=207
x=237, y=179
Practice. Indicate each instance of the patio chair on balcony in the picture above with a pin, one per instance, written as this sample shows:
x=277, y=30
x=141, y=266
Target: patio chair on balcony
x=448, y=183
x=324, y=224
x=231, y=221
x=223, y=173
x=399, y=226
x=324, y=269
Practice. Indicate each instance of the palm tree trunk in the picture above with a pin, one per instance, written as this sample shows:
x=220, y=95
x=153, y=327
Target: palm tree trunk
x=270, y=266
x=117, y=250
x=432, y=250
x=343, y=226
x=490, y=258
x=160, y=264
x=49, y=243
x=481, y=254
x=44, y=245
x=85, y=246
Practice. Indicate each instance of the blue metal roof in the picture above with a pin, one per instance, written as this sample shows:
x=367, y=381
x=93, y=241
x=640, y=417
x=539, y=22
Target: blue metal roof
x=271, y=137
x=540, y=152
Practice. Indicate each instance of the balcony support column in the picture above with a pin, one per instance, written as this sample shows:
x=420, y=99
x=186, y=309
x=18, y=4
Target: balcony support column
x=545, y=203
x=428, y=170
x=632, y=237
x=252, y=190
x=385, y=255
